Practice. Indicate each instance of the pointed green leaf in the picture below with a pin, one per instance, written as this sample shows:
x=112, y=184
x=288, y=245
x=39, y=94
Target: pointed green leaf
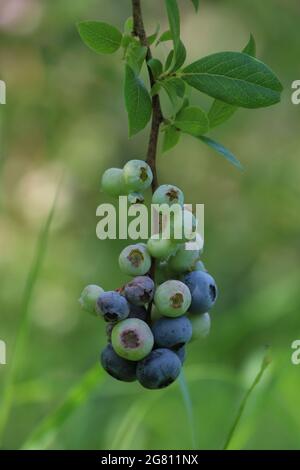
x=235, y=78
x=156, y=67
x=171, y=138
x=220, y=111
x=174, y=22
x=128, y=25
x=169, y=60
x=250, y=49
x=179, y=58
x=151, y=39
x=102, y=38
x=135, y=55
x=175, y=88
x=196, y=4
x=138, y=102
x=222, y=151
x=166, y=36
x=192, y=120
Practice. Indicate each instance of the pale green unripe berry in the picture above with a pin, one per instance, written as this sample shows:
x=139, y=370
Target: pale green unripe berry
x=135, y=260
x=184, y=260
x=172, y=298
x=168, y=194
x=201, y=325
x=137, y=175
x=161, y=247
x=132, y=339
x=89, y=297
x=112, y=182
x=184, y=228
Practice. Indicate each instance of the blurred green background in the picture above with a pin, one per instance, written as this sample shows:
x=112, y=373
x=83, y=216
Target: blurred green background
x=65, y=114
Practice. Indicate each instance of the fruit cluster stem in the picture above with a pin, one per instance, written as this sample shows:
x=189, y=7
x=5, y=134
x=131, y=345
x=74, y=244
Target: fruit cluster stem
x=157, y=116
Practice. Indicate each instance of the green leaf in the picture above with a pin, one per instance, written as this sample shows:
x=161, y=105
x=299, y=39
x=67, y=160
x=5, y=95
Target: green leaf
x=156, y=88
x=128, y=25
x=220, y=111
x=171, y=138
x=222, y=151
x=138, y=102
x=102, y=38
x=135, y=55
x=179, y=58
x=151, y=39
x=174, y=22
x=166, y=36
x=250, y=49
x=169, y=60
x=235, y=78
x=196, y=4
x=156, y=67
x=192, y=120
x=175, y=88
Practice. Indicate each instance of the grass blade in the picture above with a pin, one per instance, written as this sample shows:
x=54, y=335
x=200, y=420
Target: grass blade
x=265, y=363
x=42, y=437
x=8, y=391
x=189, y=408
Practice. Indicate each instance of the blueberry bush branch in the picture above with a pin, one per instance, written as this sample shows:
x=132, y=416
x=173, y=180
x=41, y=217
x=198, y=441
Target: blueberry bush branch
x=163, y=272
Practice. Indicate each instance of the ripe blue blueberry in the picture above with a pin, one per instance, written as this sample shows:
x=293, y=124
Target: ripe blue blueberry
x=172, y=333
x=203, y=290
x=159, y=369
x=201, y=325
x=132, y=339
x=112, y=182
x=135, y=260
x=137, y=311
x=181, y=353
x=112, y=306
x=89, y=297
x=161, y=247
x=172, y=298
x=183, y=260
x=168, y=194
x=116, y=366
x=137, y=175
x=140, y=290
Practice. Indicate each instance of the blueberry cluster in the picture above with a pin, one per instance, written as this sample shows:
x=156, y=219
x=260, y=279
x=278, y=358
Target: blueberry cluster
x=150, y=322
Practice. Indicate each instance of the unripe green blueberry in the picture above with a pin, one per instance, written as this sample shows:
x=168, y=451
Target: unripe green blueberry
x=161, y=247
x=183, y=228
x=172, y=298
x=183, y=260
x=112, y=182
x=168, y=194
x=201, y=325
x=135, y=198
x=132, y=339
x=137, y=175
x=199, y=266
x=135, y=260
x=89, y=297
x=163, y=272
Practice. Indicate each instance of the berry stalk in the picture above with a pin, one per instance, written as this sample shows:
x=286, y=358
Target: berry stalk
x=157, y=116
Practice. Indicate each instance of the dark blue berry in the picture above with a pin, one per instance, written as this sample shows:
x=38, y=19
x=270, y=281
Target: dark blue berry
x=137, y=311
x=203, y=291
x=140, y=290
x=112, y=306
x=159, y=369
x=116, y=366
x=181, y=353
x=172, y=332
